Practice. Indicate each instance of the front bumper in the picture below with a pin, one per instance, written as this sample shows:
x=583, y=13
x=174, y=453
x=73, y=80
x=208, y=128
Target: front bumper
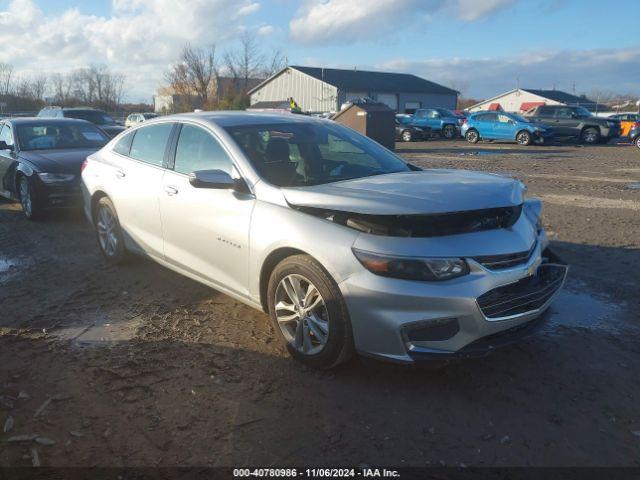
x=59, y=196
x=386, y=313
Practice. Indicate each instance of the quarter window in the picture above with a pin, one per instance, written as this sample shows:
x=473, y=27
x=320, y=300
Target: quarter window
x=6, y=136
x=149, y=143
x=198, y=150
x=124, y=144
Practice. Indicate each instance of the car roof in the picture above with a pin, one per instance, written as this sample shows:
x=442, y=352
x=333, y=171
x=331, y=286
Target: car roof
x=42, y=120
x=241, y=118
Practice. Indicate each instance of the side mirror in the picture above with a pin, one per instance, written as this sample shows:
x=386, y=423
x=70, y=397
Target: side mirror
x=4, y=146
x=216, y=179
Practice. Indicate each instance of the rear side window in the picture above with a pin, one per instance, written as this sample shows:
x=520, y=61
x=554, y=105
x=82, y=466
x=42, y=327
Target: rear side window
x=124, y=144
x=149, y=143
x=546, y=111
x=6, y=135
x=198, y=150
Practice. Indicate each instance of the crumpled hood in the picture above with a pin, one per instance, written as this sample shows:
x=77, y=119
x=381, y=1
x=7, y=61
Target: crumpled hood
x=58, y=161
x=424, y=192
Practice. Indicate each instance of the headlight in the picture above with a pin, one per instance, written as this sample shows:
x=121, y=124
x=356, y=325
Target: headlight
x=409, y=268
x=52, y=178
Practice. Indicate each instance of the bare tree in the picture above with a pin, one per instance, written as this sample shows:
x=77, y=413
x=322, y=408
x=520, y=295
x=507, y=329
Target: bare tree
x=38, y=86
x=62, y=86
x=275, y=62
x=6, y=77
x=194, y=72
x=246, y=62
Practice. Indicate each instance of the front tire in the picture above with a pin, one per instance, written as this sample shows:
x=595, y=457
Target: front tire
x=108, y=232
x=309, y=313
x=637, y=141
x=590, y=136
x=472, y=136
x=31, y=205
x=407, y=136
x=449, y=131
x=523, y=138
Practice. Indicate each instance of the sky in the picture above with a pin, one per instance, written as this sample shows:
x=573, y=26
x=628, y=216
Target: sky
x=479, y=47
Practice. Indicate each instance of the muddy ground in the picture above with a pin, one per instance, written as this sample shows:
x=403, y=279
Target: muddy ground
x=138, y=366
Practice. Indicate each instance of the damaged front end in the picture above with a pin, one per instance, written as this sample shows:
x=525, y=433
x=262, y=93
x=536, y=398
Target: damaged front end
x=421, y=225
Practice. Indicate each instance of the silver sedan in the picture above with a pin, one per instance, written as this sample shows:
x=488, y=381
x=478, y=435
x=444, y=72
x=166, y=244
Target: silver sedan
x=346, y=246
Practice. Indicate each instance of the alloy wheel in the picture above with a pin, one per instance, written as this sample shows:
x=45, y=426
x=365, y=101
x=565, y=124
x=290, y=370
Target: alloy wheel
x=107, y=226
x=638, y=142
x=590, y=136
x=25, y=196
x=302, y=314
x=406, y=136
x=448, y=131
x=523, y=138
x=472, y=136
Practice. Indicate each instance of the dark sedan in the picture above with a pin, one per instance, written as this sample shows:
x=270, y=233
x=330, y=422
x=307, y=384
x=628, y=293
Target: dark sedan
x=407, y=132
x=634, y=134
x=41, y=158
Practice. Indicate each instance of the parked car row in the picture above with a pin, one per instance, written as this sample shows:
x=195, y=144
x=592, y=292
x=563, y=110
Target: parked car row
x=335, y=237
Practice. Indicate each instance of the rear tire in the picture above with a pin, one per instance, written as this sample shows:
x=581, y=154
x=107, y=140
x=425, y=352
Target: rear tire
x=590, y=136
x=637, y=141
x=31, y=204
x=449, y=131
x=320, y=337
x=472, y=136
x=407, y=136
x=108, y=232
x=523, y=138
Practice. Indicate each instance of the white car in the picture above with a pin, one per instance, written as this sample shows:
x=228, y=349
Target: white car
x=343, y=243
x=137, y=118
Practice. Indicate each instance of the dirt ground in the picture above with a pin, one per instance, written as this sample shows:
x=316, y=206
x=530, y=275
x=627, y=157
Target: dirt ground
x=138, y=366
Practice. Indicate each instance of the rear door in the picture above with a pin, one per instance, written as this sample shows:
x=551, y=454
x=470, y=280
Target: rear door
x=137, y=183
x=206, y=231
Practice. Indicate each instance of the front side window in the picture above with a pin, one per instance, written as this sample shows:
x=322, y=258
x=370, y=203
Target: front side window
x=150, y=143
x=565, y=113
x=198, y=150
x=49, y=136
x=433, y=114
x=304, y=154
x=503, y=118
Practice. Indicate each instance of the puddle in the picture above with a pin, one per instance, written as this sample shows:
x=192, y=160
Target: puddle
x=8, y=268
x=101, y=332
x=633, y=186
x=581, y=310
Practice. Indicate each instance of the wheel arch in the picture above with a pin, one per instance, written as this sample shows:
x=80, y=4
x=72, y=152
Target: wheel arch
x=270, y=263
x=95, y=198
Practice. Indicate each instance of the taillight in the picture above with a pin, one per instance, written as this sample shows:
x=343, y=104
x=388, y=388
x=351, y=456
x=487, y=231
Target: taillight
x=84, y=165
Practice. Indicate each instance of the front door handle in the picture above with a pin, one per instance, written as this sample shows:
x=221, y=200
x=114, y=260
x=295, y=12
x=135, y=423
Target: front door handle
x=120, y=174
x=170, y=190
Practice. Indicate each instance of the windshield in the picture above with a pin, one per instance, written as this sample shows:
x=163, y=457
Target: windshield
x=45, y=136
x=519, y=118
x=93, y=116
x=296, y=154
x=147, y=116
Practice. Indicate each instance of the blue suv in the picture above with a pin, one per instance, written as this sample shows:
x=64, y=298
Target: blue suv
x=439, y=120
x=504, y=126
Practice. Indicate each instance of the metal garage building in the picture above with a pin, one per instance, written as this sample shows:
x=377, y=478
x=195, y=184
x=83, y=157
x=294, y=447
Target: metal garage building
x=326, y=89
x=523, y=99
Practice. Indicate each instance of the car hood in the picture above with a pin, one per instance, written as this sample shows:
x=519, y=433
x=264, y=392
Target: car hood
x=407, y=193
x=58, y=161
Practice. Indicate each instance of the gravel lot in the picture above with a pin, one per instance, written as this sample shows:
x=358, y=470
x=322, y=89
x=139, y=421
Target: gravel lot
x=138, y=366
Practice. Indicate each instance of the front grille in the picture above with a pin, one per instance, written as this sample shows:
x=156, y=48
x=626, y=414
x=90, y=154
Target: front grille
x=525, y=295
x=500, y=262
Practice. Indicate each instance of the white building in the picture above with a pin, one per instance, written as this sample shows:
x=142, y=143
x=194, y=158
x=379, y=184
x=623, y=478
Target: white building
x=523, y=99
x=326, y=89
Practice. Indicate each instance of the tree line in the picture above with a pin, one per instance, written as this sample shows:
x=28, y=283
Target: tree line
x=94, y=85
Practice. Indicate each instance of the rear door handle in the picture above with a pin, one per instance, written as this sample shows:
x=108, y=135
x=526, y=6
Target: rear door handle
x=120, y=174
x=170, y=190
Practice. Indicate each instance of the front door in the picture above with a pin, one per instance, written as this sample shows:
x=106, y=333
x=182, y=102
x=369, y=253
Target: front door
x=567, y=121
x=206, y=231
x=504, y=127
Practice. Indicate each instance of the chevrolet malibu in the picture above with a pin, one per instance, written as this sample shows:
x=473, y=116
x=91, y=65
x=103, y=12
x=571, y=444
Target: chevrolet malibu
x=345, y=246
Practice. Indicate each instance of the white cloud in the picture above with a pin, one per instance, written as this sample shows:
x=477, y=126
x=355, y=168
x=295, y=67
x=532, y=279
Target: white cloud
x=249, y=8
x=332, y=21
x=614, y=69
x=470, y=10
x=139, y=38
x=266, y=30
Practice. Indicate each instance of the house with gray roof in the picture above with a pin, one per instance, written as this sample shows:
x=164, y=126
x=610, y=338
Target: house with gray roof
x=320, y=90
